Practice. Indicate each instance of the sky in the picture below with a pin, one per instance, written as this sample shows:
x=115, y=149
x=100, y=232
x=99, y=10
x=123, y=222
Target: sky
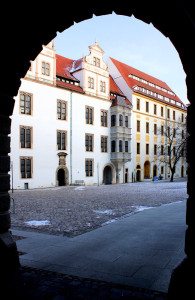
x=130, y=41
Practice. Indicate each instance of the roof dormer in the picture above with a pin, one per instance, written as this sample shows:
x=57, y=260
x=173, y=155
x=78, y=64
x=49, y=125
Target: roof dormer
x=95, y=57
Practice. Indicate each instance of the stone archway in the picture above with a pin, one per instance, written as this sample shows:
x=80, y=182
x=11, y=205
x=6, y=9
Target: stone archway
x=138, y=173
x=147, y=167
x=175, y=20
x=108, y=174
x=62, y=176
x=182, y=171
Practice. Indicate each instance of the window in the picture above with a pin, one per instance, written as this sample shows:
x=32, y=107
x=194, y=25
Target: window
x=168, y=150
x=147, y=148
x=89, y=167
x=138, y=148
x=26, y=167
x=61, y=140
x=147, y=106
x=91, y=82
x=89, y=142
x=126, y=146
x=25, y=137
x=102, y=86
x=61, y=110
x=104, y=117
x=173, y=114
x=126, y=121
x=168, y=132
x=147, y=127
x=120, y=120
x=182, y=117
x=120, y=146
x=162, y=130
x=25, y=103
x=155, y=149
x=89, y=115
x=174, y=150
x=104, y=144
x=155, y=128
x=113, y=120
x=138, y=125
x=162, y=150
x=162, y=170
x=96, y=61
x=174, y=132
x=45, y=68
x=113, y=146
x=168, y=113
x=138, y=104
x=162, y=111
x=155, y=109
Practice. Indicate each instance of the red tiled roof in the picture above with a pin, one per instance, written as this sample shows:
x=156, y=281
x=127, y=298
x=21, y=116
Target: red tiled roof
x=126, y=70
x=69, y=86
x=115, y=89
x=63, y=67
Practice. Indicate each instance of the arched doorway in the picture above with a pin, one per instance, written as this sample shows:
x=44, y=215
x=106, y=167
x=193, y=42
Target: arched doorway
x=138, y=173
x=155, y=171
x=61, y=177
x=182, y=171
x=107, y=175
x=147, y=170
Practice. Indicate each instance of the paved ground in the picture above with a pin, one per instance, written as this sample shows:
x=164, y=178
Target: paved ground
x=71, y=211
x=30, y=283
x=140, y=250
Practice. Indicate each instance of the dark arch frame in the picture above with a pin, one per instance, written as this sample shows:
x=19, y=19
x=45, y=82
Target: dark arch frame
x=24, y=41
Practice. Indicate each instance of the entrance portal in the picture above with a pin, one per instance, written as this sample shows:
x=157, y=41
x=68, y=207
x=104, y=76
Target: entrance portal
x=61, y=177
x=107, y=175
x=154, y=171
x=138, y=173
x=147, y=170
x=182, y=171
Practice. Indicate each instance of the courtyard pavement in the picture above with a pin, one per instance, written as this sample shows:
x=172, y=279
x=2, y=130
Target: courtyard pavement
x=73, y=210
x=140, y=250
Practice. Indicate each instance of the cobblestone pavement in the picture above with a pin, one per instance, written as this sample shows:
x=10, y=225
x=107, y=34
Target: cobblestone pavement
x=30, y=283
x=73, y=210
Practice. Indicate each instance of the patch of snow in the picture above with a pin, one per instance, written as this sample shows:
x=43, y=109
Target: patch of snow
x=38, y=223
x=107, y=212
x=109, y=222
x=79, y=188
x=141, y=208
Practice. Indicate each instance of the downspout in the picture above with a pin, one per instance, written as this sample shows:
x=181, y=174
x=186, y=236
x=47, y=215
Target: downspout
x=70, y=138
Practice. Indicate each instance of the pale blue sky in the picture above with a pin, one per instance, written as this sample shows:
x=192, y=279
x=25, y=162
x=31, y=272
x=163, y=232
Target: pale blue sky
x=130, y=41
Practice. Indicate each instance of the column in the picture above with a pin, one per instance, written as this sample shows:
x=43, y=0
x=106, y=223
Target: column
x=9, y=260
x=182, y=279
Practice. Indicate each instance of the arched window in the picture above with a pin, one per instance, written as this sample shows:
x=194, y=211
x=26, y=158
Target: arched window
x=120, y=120
x=113, y=120
x=120, y=146
x=113, y=146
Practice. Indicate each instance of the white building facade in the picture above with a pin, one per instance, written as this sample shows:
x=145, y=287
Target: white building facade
x=74, y=123
x=61, y=123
